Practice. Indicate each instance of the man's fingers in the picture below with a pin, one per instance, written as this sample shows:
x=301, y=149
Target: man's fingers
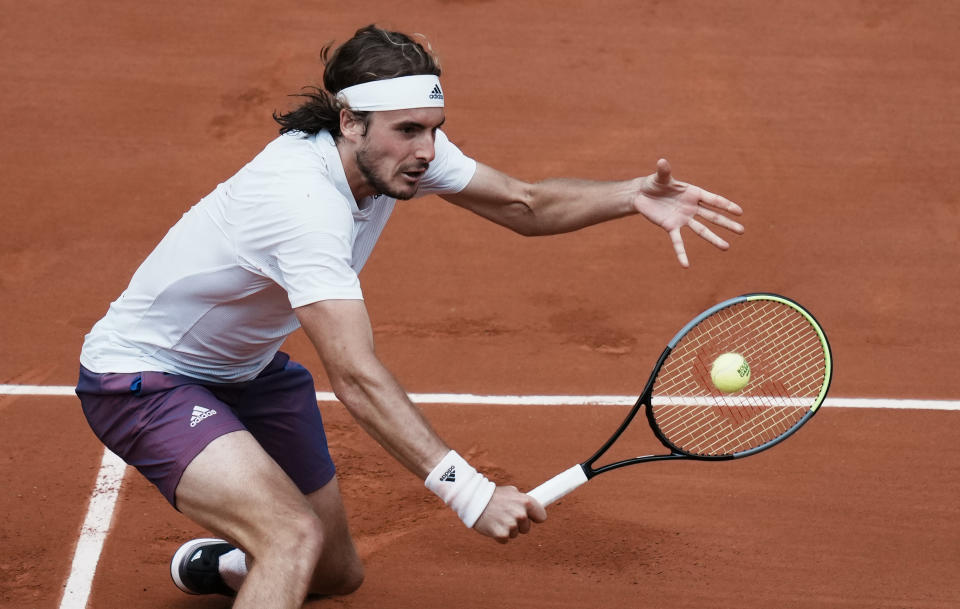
x=523, y=525
x=678, y=247
x=535, y=511
x=719, y=202
x=707, y=234
x=720, y=220
x=663, y=171
x=517, y=519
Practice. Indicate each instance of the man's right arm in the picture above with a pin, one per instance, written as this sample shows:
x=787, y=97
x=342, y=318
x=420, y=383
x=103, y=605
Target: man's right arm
x=341, y=332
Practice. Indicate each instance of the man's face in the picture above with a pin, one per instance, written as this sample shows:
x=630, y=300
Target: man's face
x=397, y=148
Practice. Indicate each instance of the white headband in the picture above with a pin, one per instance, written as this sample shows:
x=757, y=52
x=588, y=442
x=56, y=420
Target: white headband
x=402, y=93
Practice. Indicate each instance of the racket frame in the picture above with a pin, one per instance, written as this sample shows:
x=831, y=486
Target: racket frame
x=566, y=481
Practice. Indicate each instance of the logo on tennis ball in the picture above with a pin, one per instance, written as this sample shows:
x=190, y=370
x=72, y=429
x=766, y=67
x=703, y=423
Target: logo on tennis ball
x=730, y=372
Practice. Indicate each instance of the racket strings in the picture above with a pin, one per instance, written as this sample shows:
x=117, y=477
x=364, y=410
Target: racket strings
x=788, y=372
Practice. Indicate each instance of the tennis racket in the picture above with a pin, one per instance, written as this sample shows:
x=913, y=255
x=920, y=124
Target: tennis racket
x=790, y=367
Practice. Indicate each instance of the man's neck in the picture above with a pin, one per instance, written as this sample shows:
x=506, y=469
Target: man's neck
x=355, y=180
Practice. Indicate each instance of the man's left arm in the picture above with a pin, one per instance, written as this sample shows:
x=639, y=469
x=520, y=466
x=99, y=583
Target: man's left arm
x=562, y=205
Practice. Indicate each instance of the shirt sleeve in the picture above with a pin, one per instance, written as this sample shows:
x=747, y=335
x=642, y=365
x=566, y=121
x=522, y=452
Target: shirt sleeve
x=314, y=265
x=306, y=247
x=450, y=171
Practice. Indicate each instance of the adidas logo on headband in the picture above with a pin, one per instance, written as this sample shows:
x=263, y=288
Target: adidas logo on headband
x=436, y=93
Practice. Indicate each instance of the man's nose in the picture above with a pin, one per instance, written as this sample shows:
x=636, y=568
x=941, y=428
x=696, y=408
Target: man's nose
x=426, y=148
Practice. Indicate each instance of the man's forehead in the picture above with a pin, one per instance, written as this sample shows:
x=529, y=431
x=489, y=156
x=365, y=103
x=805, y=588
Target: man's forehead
x=428, y=117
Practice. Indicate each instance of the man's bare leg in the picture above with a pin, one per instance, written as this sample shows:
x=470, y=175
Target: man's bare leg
x=234, y=489
x=339, y=570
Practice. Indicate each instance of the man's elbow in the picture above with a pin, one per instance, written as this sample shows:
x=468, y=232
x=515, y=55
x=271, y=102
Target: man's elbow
x=347, y=388
x=522, y=218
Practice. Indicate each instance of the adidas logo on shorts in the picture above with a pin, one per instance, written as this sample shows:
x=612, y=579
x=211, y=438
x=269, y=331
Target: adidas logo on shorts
x=200, y=413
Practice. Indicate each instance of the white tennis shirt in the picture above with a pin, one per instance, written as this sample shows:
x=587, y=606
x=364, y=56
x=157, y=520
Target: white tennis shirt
x=215, y=298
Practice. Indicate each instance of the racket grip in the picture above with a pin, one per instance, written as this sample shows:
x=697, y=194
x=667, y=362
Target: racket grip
x=559, y=485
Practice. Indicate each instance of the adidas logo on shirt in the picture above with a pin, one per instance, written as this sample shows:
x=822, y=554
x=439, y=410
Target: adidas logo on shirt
x=200, y=413
x=436, y=93
x=450, y=475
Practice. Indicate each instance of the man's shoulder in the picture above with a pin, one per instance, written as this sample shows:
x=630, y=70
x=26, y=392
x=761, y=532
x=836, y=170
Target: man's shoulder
x=291, y=161
x=288, y=184
x=292, y=152
x=450, y=171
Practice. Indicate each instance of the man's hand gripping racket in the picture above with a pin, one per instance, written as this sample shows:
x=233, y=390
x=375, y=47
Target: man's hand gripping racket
x=786, y=378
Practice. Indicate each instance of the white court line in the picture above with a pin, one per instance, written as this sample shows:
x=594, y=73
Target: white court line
x=93, y=533
x=102, y=502
x=549, y=400
x=35, y=390
x=624, y=400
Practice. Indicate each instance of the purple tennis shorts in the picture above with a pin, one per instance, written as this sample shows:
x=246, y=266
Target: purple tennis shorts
x=158, y=422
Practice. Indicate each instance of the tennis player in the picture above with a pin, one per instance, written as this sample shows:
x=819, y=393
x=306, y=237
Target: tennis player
x=183, y=377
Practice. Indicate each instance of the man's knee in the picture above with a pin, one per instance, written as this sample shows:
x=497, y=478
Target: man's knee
x=343, y=577
x=298, y=535
x=352, y=579
x=335, y=570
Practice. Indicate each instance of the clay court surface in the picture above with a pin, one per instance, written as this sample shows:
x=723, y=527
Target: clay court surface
x=834, y=125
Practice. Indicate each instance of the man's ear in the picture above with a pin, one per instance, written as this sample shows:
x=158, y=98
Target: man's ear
x=352, y=127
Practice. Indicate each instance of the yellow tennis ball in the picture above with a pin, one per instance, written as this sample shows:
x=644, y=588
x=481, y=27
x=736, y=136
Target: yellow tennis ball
x=730, y=372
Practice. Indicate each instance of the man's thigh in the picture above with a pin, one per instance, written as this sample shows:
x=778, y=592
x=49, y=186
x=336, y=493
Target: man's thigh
x=237, y=491
x=160, y=422
x=157, y=423
x=279, y=408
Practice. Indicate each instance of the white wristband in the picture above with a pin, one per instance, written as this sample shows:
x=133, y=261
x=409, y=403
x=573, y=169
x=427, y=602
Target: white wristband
x=461, y=487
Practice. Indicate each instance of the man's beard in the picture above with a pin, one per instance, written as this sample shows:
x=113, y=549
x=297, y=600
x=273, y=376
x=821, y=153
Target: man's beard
x=379, y=184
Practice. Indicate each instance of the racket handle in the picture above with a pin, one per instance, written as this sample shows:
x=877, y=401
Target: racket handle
x=559, y=485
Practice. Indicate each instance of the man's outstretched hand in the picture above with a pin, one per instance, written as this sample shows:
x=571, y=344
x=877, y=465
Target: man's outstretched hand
x=672, y=205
